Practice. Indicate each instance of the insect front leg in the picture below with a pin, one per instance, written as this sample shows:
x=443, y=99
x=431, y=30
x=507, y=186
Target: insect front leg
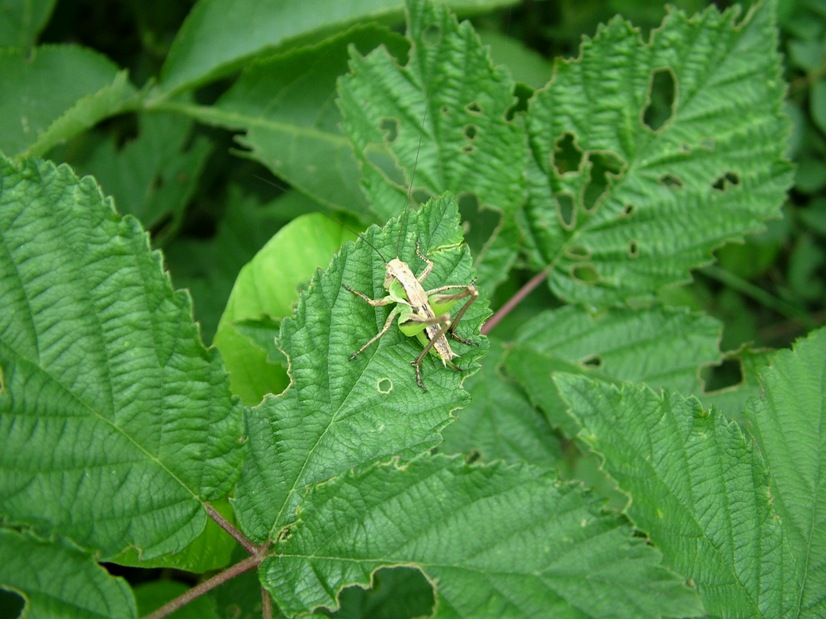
x=374, y=303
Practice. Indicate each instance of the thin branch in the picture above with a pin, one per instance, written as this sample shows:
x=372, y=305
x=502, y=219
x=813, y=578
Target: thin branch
x=515, y=300
x=227, y=526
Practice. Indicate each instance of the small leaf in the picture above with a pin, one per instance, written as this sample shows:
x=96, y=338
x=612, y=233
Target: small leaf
x=697, y=487
x=339, y=413
x=494, y=541
x=789, y=423
x=115, y=423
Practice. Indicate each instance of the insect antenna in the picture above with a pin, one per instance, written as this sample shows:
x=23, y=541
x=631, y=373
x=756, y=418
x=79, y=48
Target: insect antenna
x=403, y=227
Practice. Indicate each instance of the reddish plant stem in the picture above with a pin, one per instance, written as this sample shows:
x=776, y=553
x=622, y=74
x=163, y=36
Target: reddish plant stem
x=228, y=574
x=227, y=526
x=515, y=300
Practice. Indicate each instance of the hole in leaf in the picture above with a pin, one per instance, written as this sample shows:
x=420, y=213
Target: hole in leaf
x=721, y=376
x=660, y=99
x=432, y=35
x=605, y=168
x=384, y=385
x=585, y=273
x=566, y=210
x=578, y=252
x=566, y=155
x=11, y=604
x=729, y=179
x=474, y=108
x=470, y=132
x=382, y=599
x=670, y=181
x=390, y=128
x=523, y=94
x=628, y=211
x=591, y=362
x=474, y=455
x=633, y=249
x=468, y=149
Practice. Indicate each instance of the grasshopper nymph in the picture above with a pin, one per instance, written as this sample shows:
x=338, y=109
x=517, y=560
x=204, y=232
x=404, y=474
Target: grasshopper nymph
x=420, y=312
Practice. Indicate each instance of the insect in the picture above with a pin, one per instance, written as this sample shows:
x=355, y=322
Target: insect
x=422, y=313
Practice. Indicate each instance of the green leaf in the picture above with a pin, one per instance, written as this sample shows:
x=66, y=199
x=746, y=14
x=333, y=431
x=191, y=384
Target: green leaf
x=697, y=487
x=500, y=422
x=339, y=413
x=660, y=347
x=494, y=541
x=22, y=20
x=214, y=41
x=53, y=94
x=437, y=124
x=59, y=581
x=115, y=423
x=647, y=156
x=286, y=106
x=789, y=423
x=268, y=287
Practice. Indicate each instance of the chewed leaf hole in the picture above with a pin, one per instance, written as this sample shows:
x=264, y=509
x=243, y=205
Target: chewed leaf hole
x=591, y=362
x=390, y=128
x=470, y=132
x=628, y=211
x=384, y=385
x=567, y=155
x=633, y=249
x=660, y=99
x=606, y=167
x=729, y=179
x=432, y=35
x=670, y=181
x=380, y=599
x=566, y=210
x=722, y=376
x=585, y=273
x=474, y=108
x=578, y=252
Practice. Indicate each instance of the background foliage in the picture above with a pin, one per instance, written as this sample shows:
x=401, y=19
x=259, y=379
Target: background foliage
x=650, y=182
